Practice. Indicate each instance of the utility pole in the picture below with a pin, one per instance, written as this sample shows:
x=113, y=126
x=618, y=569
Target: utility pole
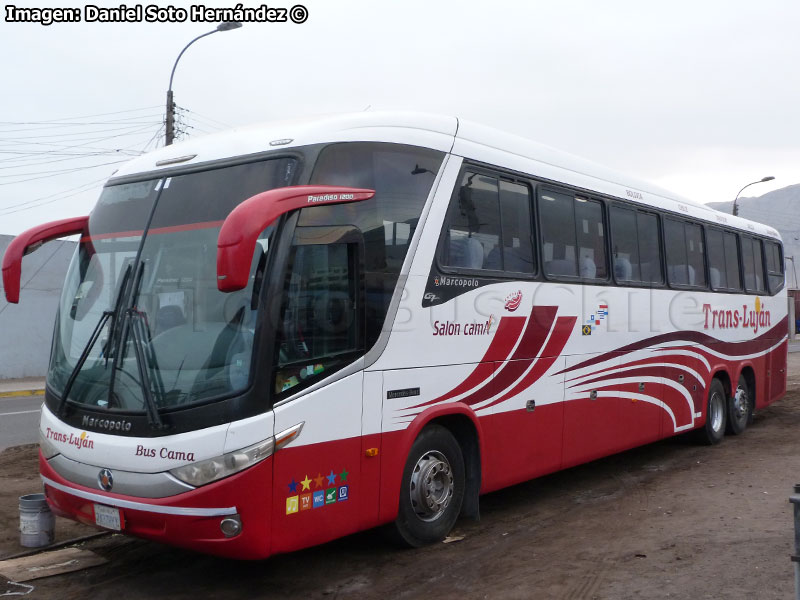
x=170, y=135
x=170, y=118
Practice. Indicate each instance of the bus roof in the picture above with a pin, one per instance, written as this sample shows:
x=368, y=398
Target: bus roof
x=447, y=134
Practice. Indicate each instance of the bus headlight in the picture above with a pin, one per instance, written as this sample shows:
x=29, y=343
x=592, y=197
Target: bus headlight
x=205, y=471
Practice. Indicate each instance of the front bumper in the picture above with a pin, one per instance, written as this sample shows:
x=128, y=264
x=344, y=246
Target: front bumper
x=188, y=520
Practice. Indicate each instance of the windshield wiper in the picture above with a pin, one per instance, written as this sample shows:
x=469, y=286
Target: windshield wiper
x=82, y=360
x=117, y=335
x=136, y=320
x=107, y=314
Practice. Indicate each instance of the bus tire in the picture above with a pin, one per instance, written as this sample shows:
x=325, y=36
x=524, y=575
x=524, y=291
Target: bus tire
x=432, y=490
x=740, y=408
x=716, y=412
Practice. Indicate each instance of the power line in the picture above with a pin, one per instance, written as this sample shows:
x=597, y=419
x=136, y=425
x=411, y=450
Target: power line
x=44, y=200
x=63, y=135
x=63, y=172
x=119, y=112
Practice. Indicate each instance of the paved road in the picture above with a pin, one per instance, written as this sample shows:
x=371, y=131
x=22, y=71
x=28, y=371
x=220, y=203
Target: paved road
x=19, y=420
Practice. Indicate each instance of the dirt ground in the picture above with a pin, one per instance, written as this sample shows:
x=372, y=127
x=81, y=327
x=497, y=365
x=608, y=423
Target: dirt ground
x=669, y=520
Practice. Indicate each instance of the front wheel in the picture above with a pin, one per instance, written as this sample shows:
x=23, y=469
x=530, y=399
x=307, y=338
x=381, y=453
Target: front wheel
x=432, y=489
x=740, y=408
x=716, y=415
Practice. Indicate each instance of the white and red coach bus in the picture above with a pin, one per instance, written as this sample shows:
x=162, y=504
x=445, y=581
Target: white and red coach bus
x=277, y=336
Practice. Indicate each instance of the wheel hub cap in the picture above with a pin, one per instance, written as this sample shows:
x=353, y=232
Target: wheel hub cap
x=716, y=408
x=432, y=485
x=740, y=402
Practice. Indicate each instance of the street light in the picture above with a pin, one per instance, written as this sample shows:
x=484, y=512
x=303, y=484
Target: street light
x=735, y=210
x=794, y=268
x=170, y=121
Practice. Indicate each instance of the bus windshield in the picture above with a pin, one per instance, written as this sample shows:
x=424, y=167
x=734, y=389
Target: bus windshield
x=157, y=281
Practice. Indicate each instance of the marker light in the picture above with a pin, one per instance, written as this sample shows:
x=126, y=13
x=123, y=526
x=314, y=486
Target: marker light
x=231, y=526
x=205, y=471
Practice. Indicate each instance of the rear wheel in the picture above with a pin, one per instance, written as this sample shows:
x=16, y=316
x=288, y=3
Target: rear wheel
x=740, y=408
x=716, y=414
x=432, y=490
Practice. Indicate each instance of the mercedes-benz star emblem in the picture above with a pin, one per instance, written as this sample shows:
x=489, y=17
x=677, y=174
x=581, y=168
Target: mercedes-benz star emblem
x=105, y=479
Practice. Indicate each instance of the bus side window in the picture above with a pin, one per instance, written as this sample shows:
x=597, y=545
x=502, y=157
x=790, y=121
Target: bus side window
x=753, y=265
x=489, y=226
x=515, y=212
x=732, y=261
x=625, y=246
x=473, y=228
x=775, y=273
x=717, y=259
x=573, y=236
x=649, y=248
x=636, y=247
x=685, y=253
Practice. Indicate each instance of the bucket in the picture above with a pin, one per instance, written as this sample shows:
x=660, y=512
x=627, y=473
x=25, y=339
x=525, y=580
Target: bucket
x=36, y=523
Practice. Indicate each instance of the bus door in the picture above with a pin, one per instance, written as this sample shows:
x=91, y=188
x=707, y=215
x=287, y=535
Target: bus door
x=317, y=480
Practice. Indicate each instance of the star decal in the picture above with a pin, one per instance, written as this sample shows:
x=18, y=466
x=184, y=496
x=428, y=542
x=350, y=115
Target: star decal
x=306, y=483
x=318, y=481
x=332, y=478
x=343, y=475
x=293, y=486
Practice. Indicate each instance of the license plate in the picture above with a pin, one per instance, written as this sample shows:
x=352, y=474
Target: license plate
x=108, y=517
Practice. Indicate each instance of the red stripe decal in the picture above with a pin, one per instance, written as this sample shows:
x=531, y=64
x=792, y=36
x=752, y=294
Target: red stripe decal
x=505, y=337
x=539, y=325
x=558, y=339
x=759, y=344
x=153, y=231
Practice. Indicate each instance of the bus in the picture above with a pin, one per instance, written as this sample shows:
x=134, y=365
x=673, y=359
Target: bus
x=275, y=336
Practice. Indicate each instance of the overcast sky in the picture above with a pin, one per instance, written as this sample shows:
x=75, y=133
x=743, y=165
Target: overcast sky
x=700, y=97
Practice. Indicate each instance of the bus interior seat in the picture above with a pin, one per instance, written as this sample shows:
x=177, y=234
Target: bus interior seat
x=513, y=260
x=492, y=261
x=168, y=317
x=466, y=252
x=623, y=270
x=560, y=266
x=681, y=274
x=588, y=268
x=714, y=277
x=651, y=272
x=691, y=275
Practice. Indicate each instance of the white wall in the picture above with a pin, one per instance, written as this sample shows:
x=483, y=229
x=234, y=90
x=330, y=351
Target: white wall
x=26, y=329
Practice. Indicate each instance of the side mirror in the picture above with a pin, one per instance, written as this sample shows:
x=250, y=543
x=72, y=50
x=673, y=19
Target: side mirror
x=31, y=240
x=240, y=230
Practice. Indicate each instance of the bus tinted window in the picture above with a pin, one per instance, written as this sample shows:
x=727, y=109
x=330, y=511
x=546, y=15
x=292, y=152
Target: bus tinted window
x=685, y=256
x=732, y=261
x=649, y=248
x=515, y=210
x=723, y=260
x=696, y=253
x=590, y=234
x=624, y=245
x=489, y=226
x=775, y=272
x=753, y=265
x=558, y=234
x=573, y=236
x=473, y=230
x=402, y=177
x=319, y=326
x=635, y=246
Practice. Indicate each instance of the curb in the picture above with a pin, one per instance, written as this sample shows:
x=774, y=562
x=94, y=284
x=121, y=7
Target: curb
x=17, y=393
